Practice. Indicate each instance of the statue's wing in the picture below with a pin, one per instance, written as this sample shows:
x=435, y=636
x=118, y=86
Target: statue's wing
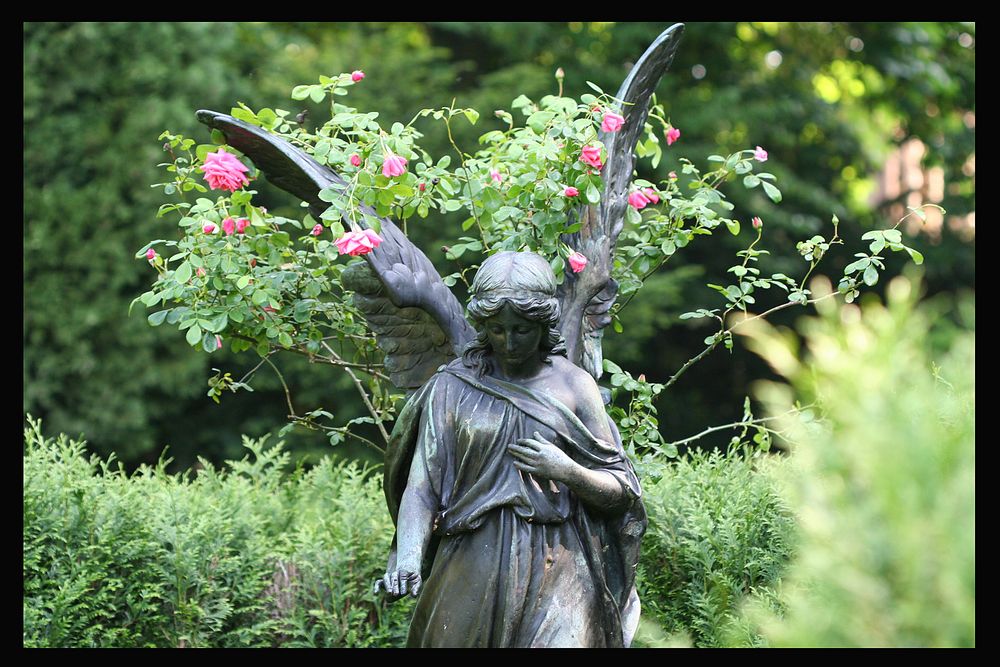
x=417, y=321
x=586, y=297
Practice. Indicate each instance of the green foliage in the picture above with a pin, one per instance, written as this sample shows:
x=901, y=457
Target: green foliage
x=882, y=474
x=238, y=557
x=96, y=95
x=719, y=534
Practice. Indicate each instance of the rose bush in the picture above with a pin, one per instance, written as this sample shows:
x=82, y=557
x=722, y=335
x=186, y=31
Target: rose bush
x=271, y=283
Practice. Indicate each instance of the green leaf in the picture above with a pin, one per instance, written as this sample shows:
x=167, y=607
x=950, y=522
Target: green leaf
x=593, y=194
x=734, y=227
x=193, y=335
x=301, y=92
x=750, y=181
x=316, y=94
x=472, y=115
x=183, y=272
x=209, y=343
x=538, y=120
x=217, y=324
x=218, y=137
x=772, y=192
x=156, y=319
x=915, y=255
x=243, y=282
x=285, y=339
x=870, y=276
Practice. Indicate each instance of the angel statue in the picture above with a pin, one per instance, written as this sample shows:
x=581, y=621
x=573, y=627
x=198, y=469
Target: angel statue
x=518, y=514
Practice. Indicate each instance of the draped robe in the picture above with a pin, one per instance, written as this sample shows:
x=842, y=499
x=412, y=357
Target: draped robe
x=514, y=560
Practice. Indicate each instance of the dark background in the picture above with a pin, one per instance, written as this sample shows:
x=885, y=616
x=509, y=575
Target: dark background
x=859, y=119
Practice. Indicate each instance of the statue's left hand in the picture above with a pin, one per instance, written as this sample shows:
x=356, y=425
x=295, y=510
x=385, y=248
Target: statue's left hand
x=541, y=458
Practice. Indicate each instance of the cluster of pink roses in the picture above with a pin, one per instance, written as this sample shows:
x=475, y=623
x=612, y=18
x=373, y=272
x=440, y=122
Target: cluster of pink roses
x=224, y=171
x=639, y=198
x=358, y=243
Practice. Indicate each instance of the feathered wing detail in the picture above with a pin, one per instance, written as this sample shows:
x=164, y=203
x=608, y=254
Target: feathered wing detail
x=414, y=345
x=417, y=321
x=587, y=297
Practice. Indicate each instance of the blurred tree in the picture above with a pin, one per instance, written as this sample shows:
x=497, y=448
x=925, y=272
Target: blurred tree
x=96, y=97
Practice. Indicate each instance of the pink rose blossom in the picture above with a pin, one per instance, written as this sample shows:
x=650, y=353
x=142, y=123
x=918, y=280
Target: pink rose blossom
x=151, y=254
x=394, y=165
x=241, y=225
x=373, y=237
x=495, y=175
x=637, y=200
x=760, y=155
x=651, y=195
x=422, y=187
x=224, y=171
x=357, y=75
x=218, y=341
x=358, y=243
x=672, y=176
x=642, y=377
x=577, y=261
x=317, y=230
x=270, y=309
x=757, y=222
x=201, y=272
x=229, y=226
x=571, y=192
x=673, y=134
x=591, y=155
x=208, y=228
x=612, y=122
x=355, y=160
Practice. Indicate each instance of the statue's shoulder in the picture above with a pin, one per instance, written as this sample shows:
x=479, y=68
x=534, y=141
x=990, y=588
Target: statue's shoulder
x=572, y=373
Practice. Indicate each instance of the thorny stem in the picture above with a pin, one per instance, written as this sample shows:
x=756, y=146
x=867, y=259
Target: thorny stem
x=364, y=394
x=344, y=430
x=288, y=396
x=722, y=334
x=468, y=178
x=755, y=423
x=367, y=368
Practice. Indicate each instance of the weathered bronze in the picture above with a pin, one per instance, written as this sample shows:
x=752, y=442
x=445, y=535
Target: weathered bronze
x=512, y=495
x=518, y=514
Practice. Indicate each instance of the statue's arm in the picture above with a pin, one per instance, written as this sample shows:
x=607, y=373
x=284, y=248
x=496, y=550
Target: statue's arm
x=414, y=526
x=416, y=517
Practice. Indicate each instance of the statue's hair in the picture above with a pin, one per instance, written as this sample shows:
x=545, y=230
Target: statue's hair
x=525, y=282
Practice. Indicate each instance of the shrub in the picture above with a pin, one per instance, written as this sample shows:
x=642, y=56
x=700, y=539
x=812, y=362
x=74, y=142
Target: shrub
x=219, y=558
x=718, y=532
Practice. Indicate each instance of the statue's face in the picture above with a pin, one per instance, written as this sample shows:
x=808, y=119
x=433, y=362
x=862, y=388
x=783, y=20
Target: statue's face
x=514, y=339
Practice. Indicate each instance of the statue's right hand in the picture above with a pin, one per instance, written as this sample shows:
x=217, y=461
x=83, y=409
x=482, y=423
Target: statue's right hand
x=399, y=583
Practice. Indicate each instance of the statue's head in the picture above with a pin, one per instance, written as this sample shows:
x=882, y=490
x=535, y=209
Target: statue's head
x=513, y=293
